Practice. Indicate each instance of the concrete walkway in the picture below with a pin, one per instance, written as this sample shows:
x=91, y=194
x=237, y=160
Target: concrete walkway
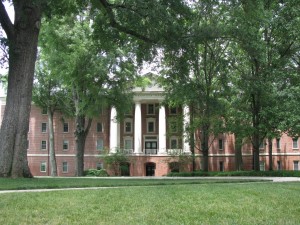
x=271, y=179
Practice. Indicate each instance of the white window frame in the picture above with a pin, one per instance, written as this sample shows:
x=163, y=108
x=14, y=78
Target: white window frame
x=148, y=107
x=295, y=141
x=44, y=149
x=43, y=167
x=130, y=139
x=100, y=144
x=130, y=121
x=42, y=127
x=67, y=126
x=67, y=143
x=65, y=165
x=151, y=120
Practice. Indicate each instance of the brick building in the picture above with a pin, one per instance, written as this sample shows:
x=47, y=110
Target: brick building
x=151, y=134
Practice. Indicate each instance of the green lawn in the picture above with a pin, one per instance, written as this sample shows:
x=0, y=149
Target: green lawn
x=210, y=203
x=41, y=183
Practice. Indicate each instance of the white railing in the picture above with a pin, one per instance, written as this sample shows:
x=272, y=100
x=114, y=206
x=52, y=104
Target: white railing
x=151, y=151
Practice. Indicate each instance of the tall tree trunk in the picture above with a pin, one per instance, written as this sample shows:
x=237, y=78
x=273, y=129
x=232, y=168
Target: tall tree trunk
x=270, y=154
x=80, y=136
x=53, y=165
x=205, y=147
x=23, y=40
x=238, y=153
x=192, y=139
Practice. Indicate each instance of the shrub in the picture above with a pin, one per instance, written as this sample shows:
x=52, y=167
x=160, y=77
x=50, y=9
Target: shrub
x=237, y=173
x=96, y=173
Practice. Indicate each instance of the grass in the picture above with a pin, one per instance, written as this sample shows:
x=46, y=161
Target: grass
x=210, y=203
x=51, y=183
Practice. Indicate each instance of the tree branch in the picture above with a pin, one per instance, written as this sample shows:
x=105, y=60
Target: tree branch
x=5, y=21
x=115, y=24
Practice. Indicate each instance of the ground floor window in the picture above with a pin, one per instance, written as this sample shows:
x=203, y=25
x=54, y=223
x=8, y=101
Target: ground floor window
x=174, y=166
x=65, y=167
x=278, y=165
x=296, y=165
x=125, y=169
x=99, y=165
x=221, y=166
x=262, y=166
x=43, y=167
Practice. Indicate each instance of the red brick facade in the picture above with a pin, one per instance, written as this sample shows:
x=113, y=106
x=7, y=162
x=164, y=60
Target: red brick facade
x=286, y=155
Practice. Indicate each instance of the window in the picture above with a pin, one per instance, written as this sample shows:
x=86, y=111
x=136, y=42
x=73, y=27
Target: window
x=44, y=127
x=173, y=110
x=262, y=144
x=262, y=166
x=150, y=125
x=295, y=143
x=128, y=126
x=296, y=165
x=278, y=143
x=174, y=166
x=128, y=143
x=65, y=167
x=66, y=128
x=99, y=166
x=43, y=167
x=220, y=144
x=174, y=143
x=65, y=145
x=44, y=111
x=43, y=145
x=150, y=109
x=27, y=144
x=99, y=127
x=221, y=166
x=100, y=144
x=278, y=165
x=173, y=127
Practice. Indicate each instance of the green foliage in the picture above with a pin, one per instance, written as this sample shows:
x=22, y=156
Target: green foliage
x=96, y=173
x=117, y=162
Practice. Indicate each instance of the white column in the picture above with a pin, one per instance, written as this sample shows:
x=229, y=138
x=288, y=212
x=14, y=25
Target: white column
x=113, y=138
x=162, y=148
x=138, y=128
x=186, y=122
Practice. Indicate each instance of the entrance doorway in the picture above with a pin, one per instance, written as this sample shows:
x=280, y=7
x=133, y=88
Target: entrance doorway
x=150, y=169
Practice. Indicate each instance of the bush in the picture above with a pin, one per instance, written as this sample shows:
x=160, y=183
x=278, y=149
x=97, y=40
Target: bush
x=96, y=173
x=237, y=173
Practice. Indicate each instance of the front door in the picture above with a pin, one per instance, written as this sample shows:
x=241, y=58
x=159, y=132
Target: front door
x=150, y=169
x=151, y=147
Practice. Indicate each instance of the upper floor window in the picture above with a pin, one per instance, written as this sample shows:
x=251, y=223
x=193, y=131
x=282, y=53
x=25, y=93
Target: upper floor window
x=150, y=125
x=128, y=143
x=43, y=145
x=221, y=144
x=150, y=109
x=173, y=126
x=174, y=143
x=295, y=142
x=100, y=145
x=44, y=111
x=44, y=127
x=99, y=127
x=65, y=145
x=173, y=111
x=128, y=126
x=278, y=143
x=66, y=127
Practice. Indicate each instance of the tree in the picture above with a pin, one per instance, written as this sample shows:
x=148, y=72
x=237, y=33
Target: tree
x=266, y=36
x=95, y=75
x=22, y=38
